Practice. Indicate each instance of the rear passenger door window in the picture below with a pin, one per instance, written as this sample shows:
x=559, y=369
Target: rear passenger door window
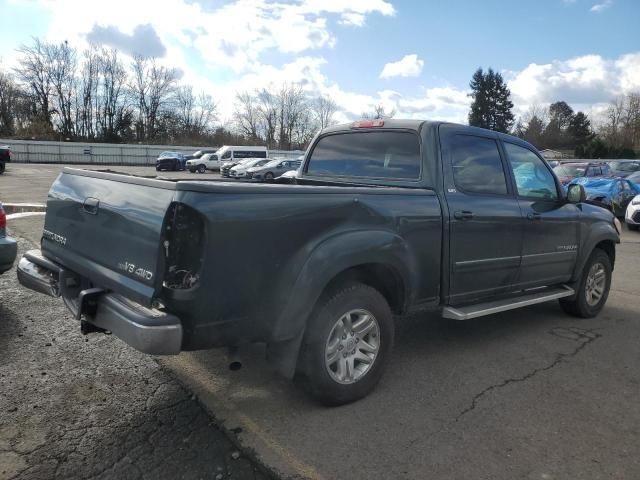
x=477, y=167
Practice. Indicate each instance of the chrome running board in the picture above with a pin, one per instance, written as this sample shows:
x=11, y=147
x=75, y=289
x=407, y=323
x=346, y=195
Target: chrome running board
x=488, y=308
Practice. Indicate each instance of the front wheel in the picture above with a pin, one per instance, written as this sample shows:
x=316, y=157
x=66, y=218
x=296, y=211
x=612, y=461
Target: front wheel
x=348, y=341
x=632, y=226
x=202, y=168
x=593, y=288
x=268, y=177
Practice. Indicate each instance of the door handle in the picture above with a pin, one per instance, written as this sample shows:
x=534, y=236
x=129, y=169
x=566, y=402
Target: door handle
x=534, y=216
x=463, y=215
x=91, y=205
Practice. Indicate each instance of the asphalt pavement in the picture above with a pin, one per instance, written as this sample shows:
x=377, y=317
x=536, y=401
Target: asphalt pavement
x=89, y=407
x=527, y=394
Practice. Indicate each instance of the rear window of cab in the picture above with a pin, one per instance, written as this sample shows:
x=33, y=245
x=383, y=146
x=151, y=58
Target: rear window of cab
x=370, y=154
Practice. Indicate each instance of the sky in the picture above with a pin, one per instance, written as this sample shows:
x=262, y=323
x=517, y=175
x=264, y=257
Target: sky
x=412, y=56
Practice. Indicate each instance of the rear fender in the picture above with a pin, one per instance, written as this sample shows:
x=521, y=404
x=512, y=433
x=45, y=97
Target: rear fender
x=333, y=256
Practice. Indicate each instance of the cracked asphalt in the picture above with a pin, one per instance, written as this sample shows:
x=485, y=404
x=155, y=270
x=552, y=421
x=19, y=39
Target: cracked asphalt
x=92, y=408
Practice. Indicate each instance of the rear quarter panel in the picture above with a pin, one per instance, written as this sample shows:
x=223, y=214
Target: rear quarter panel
x=269, y=255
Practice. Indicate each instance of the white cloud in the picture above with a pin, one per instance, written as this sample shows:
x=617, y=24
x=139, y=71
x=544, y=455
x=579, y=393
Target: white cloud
x=588, y=79
x=600, y=7
x=407, y=66
x=235, y=35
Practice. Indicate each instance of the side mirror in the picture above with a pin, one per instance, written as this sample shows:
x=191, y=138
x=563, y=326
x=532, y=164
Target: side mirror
x=576, y=193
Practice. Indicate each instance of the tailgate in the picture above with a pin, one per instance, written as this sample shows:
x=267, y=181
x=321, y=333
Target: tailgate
x=108, y=228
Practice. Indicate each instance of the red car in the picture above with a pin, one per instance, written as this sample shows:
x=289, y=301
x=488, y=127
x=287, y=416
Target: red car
x=570, y=170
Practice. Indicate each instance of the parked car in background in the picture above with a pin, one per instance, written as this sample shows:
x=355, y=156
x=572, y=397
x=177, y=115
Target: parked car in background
x=272, y=169
x=8, y=246
x=634, y=177
x=226, y=167
x=240, y=171
x=200, y=153
x=566, y=172
x=208, y=161
x=381, y=224
x=229, y=155
x=632, y=215
x=624, y=168
x=5, y=157
x=171, y=161
x=613, y=193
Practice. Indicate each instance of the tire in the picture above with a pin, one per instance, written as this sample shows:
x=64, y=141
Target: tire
x=580, y=306
x=632, y=227
x=268, y=177
x=202, y=169
x=192, y=169
x=2, y=167
x=319, y=377
x=157, y=169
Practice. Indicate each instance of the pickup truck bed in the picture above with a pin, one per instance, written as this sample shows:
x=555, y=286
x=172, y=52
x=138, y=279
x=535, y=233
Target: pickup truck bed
x=318, y=269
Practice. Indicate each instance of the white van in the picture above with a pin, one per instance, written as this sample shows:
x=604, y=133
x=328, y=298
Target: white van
x=213, y=161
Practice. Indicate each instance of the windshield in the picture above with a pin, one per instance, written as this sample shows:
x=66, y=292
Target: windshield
x=570, y=170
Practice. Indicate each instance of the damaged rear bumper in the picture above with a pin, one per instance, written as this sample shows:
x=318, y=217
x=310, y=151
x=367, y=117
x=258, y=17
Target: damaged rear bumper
x=148, y=330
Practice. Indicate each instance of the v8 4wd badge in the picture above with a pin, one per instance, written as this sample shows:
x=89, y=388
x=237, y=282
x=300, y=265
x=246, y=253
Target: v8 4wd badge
x=138, y=271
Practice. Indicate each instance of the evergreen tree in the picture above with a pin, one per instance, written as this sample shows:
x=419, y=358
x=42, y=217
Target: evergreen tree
x=491, y=106
x=580, y=129
x=534, y=130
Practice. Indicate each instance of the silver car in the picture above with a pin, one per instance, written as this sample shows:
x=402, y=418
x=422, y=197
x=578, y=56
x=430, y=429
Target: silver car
x=271, y=170
x=8, y=246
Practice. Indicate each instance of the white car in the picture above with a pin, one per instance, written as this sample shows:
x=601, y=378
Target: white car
x=632, y=217
x=208, y=161
x=240, y=171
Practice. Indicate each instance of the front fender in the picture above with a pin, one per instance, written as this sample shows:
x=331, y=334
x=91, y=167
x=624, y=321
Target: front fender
x=334, y=255
x=594, y=234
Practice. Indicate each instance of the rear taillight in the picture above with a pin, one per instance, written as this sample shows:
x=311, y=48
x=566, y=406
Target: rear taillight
x=3, y=219
x=10, y=154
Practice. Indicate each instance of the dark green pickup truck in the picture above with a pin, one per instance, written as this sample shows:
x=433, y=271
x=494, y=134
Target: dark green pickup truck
x=385, y=218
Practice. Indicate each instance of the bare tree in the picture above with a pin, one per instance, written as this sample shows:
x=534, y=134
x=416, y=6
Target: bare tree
x=113, y=112
x=10, y=96
x=61, y=71
x=323, y=109
x=195, y=113
x=153, y=86
x=267, y=105
x=246, y=114
x=87, y=93
x=378, y=113
x=33, y=72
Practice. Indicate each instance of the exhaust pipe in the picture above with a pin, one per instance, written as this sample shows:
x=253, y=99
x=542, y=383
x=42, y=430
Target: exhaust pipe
x=235, y=363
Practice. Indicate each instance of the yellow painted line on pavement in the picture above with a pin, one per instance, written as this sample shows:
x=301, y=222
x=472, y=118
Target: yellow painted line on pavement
x=206, y=385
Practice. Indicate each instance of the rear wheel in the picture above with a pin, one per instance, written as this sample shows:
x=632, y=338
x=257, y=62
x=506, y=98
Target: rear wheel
x=348, y=341
x=593, y=288
x=202, y=168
